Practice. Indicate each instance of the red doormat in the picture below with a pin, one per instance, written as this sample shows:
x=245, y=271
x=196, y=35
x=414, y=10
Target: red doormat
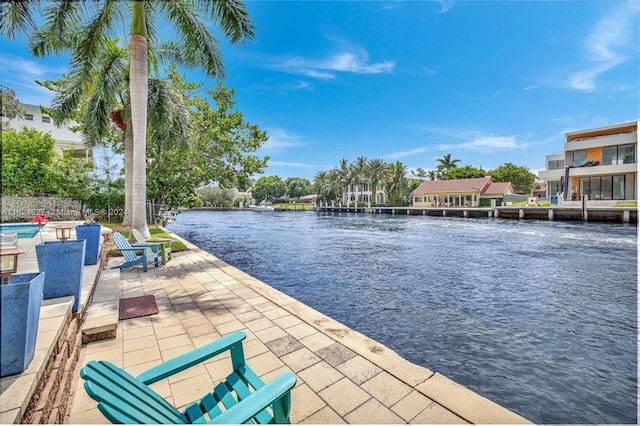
x=140, y=306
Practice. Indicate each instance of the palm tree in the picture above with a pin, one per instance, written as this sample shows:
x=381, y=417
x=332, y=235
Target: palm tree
x=345, y=177
x=376, y=171
x=108, y=91
x=105, y=17
x=358, y=174
x=446, y=163
x=397, y=182
x=321, y=186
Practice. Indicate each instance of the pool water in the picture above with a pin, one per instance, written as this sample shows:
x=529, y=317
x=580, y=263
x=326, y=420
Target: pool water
x=24, y=231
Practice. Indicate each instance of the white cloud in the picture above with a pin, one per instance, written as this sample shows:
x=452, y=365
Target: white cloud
x=24, y=72
x=604, y=44
x=287, y=164
x=351, y=59
x=531, y=87
x=280, y=139
x=404, y=154
x=485, y=144
x=445, y=5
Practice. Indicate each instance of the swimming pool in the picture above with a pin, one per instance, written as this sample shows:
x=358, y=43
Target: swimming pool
x=23, y=230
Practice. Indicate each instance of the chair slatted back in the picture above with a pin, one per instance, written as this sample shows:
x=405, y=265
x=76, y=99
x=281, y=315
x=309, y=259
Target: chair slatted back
x=124, y=399
x=122, y=243
x=140, y=239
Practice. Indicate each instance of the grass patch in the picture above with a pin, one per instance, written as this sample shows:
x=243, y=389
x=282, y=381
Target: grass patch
x=627, y=204
x=156, y=232
x=300, y=206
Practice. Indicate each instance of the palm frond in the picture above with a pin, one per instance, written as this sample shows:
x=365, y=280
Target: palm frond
x=17, y=17
x=233, y=18
x=200, y=45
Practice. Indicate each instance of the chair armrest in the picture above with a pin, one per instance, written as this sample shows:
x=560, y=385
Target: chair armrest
x=154, y=247
x=128, y=249
x=194, y=357
x=160, y=240
x=258, y=401
x=144, y=246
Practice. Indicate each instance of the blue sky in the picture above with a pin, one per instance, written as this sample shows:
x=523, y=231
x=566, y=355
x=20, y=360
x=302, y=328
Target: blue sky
x=488, y=81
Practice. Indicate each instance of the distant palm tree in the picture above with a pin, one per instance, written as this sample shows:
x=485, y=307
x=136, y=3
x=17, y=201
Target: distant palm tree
x=376, y=172
x=322, y=187
x=105, y=17
x=345, y=177
x=359, y=174
x=397, y=182
x=446, y=163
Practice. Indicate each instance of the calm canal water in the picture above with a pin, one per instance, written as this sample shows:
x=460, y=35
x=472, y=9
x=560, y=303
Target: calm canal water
x=540, y=317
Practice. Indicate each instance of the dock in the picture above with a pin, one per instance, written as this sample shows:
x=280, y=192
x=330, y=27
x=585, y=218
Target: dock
x=591, y=214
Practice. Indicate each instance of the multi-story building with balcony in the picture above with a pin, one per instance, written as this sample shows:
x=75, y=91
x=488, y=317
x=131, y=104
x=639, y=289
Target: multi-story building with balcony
x=598, y=163
x=66, y=139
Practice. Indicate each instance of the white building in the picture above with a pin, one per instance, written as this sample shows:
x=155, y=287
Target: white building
x=66, y=139
x=600, y=163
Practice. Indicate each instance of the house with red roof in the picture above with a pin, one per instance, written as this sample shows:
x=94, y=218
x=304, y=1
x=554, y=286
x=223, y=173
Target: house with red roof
x=460, y=192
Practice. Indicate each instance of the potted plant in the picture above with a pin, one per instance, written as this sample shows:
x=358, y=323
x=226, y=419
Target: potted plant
x=63, y=265
x=90, y=231
x=21, y=299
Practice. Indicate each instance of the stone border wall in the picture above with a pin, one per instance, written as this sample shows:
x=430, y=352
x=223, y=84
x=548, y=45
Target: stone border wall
x=21, y=209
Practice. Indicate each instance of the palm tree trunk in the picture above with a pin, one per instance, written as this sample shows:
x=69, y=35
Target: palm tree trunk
x=128, y=176
x=139, y=88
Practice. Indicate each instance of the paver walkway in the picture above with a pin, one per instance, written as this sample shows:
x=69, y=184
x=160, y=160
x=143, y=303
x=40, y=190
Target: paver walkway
x=343, y=377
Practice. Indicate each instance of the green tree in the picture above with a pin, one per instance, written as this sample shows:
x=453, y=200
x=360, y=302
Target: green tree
x=11, y=107
x=298, y=187
x=26, y=159
x=71, y=177
x=216, y=196
x=397, y=183
x=376, y=171
x=218, y=149
x=520, y=176
x=465, y=172
x=105, y=17
x=269, y=188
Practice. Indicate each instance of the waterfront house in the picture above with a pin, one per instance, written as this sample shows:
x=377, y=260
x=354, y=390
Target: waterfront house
x=66, y=139
x=460, y=192
x=599, y=163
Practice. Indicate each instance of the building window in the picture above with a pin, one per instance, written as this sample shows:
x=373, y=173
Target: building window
x=28, y=117
x=555, y=165
x=46, y=119
x=610, y=156
x=619, y=154
x=618, y=187
x=603, y=187
x=579, y=157
x=626, y=154
x=554, y=187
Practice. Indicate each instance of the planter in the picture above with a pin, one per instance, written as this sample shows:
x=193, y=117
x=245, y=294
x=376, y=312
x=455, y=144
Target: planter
x=90, y=233
x=63, y=265
x=21, y=300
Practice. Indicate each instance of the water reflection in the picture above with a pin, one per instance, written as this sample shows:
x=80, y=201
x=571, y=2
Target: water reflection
x=537, y=316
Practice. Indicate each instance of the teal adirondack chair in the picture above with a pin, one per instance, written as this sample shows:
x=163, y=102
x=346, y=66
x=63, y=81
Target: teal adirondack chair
x=241, y=398
x=164, y=247
x=148, y=252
